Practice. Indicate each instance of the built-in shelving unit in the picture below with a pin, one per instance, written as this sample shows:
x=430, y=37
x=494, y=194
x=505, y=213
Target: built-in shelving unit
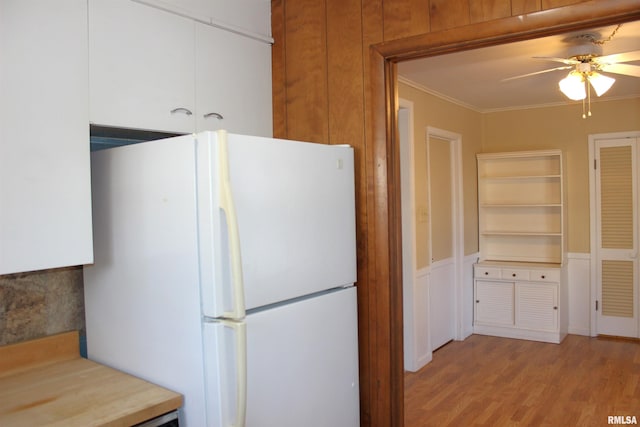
x=521, y=206
x=519, y=283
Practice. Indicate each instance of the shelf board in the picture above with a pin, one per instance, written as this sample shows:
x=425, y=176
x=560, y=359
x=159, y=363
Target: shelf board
x=521, y=205
x=519, y=177
x=521, y=233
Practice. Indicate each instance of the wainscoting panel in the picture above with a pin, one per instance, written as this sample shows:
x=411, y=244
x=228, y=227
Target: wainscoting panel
x=579, y=266
x=417, y=347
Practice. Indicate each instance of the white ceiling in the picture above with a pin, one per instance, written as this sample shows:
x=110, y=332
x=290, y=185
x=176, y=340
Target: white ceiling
x=474, y=78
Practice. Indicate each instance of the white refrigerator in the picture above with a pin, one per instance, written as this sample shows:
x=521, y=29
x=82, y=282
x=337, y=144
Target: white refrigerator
x=224, y=270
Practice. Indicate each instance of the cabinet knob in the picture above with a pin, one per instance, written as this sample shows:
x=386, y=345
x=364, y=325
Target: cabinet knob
x=555, y=307
x=477, y=300
x=181, y=110
x=543, y=276
x=514, y=274
x=486, y=273
x=216, y=115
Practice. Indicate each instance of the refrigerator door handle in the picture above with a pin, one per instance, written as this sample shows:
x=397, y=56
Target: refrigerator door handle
x=228, y=206
x=240, y=329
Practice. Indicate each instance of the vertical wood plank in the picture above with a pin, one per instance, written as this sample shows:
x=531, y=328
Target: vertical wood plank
x=278, y=69
x=520, y=7
x=345, y=79
x=446, y=14
x=405, y=18
x=486, y=10
x=371, y=394
x=306, y=71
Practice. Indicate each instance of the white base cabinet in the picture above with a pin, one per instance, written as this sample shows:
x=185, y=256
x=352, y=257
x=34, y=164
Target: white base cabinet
x=520, y=300
x=45, y=182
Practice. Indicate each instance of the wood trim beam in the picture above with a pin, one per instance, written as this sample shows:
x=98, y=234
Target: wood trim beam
x=516, y=28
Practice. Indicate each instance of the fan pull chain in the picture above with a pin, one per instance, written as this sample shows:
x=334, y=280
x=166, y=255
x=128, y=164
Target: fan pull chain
x=584, y=116
x=601, y=42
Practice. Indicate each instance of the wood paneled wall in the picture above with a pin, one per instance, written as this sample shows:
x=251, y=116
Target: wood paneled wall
x=334, y=83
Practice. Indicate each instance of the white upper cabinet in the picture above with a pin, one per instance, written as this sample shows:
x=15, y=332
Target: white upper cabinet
x=45, y=188
x=155, y=70
x=249, y=17
x=233, y=81
x=141, y=64
x=196, y=9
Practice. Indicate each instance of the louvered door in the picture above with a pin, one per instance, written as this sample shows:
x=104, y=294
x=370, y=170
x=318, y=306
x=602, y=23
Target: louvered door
x=537, y=306
x=617, y=237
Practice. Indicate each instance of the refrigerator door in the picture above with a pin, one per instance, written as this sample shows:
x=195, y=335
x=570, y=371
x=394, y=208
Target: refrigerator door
x=302, y=363
x=220, y=259
x=295, y=207
x=225, y=373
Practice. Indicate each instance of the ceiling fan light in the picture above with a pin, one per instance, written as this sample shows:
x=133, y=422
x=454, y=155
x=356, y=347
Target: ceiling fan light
x=600, y=83
x=573, y=86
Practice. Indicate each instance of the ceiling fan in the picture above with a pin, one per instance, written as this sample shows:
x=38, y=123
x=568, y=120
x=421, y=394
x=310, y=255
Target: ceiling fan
x=586, y=64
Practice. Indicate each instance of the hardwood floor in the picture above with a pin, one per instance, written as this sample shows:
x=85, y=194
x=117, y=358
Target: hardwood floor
x=491, y=381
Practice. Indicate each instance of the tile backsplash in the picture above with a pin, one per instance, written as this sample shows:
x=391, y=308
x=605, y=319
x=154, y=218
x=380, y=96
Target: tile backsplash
x=40, y=303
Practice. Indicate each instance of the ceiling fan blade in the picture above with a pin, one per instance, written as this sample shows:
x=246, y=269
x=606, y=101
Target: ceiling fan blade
x=618, y=57
x=538, y=72
x=626, y=69
x=563, y=60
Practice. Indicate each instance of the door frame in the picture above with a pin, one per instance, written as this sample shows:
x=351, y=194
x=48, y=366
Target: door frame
x=457, y=208
x=593, y=226
x=382, y=330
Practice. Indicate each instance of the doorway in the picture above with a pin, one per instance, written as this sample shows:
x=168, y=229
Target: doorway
x=615, y=192
x=446, y=223
x=432, y=238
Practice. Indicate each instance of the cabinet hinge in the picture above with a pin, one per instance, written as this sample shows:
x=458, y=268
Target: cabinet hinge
x=595, y=164
x=596, y=305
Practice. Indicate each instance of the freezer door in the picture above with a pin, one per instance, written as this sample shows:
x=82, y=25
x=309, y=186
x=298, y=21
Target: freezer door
x=295, y=211
x=302, y=363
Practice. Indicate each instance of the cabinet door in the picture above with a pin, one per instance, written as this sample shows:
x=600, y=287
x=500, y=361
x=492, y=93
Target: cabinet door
x=197, y=9
x=494, y=303
x=141, y=67
x=537, y=306
x=45, y=185
x=253, y=16
x=233, y=80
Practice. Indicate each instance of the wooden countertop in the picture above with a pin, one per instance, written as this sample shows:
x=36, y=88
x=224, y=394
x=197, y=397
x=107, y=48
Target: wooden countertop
x=45, y=382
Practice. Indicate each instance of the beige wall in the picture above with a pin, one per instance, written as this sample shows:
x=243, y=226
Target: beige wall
x=538, y=128
x=563, y=127
x=436, y=112
x=440, y=194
